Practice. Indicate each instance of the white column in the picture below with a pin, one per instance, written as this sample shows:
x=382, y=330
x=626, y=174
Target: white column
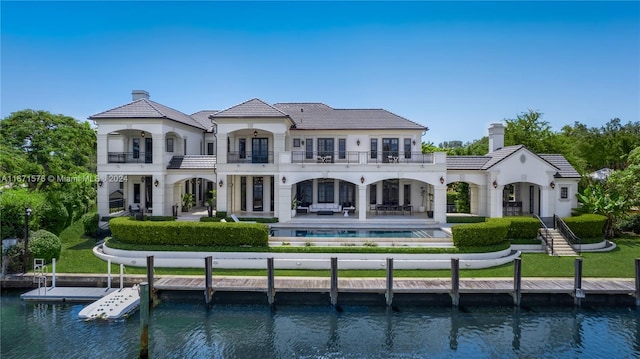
x=103, y=149
x=482, y=206
x=548, y=202
x=221, y=193
x=440, y=203
x=158, y=196
x=495, y=201
x=103, y=196
x=283, y=204
x=362, y=202
x=158, y=148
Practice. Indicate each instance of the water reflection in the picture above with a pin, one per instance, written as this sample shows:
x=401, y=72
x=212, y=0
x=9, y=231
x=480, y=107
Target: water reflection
x=179, y=330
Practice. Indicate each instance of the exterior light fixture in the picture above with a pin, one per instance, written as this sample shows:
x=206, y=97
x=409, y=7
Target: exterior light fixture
x=220, y=183
x=142, y=134
x=302, y=142
x=358, y=142
x=284, y=179
x=362, y=179
x=255, y=133
x=414, y=142
x=552, y=184
x=100, y=183
x=441, y=180
x=495, y=184
x=156, y=183
x=142, y=179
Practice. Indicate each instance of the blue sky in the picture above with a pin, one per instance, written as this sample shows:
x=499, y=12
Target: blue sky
x=452, y=66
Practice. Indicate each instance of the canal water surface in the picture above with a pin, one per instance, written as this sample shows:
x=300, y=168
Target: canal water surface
x=187, y=330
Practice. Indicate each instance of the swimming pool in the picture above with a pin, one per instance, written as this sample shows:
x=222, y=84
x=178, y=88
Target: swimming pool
x=359, y=233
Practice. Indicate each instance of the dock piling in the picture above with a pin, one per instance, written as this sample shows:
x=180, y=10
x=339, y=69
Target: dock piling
x=637, y=293
x=208, y=285
x=108, y=273
x=389, y=291
x=334, y=281
x=53, y=273
x=152, y=293
x=577, y=282
x=455, y=282
x=144, y=320
x=517, y=281
x=121, y=275
x=271, y=291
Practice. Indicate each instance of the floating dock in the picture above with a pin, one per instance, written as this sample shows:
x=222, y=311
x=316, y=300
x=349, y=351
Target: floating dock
x=66, y=294
x=116, y=305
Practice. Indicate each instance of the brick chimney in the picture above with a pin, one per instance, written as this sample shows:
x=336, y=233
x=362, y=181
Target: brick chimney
x=138, y=94
x=496, y=137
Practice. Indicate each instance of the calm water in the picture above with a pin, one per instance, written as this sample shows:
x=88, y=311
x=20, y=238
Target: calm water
x=179, y=330
x=359, y=233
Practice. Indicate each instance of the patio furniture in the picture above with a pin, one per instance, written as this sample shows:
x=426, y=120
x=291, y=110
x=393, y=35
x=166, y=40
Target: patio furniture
x=325, y=207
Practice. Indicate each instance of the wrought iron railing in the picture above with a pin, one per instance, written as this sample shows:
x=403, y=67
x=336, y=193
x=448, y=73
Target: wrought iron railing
x=130, y=157
x=546, y=234
x=349, y=157
x=573, y=240
x=249, y=157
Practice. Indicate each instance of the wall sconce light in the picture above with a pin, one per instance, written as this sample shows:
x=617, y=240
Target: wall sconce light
x=142, y=179
x=156, y=183
x=142, y=134
x=495, y=184
x=220, y=183
x=552, y=184
x=284, y=179
x=362, y=179
x=414, y=142
x=358, y=142
x=100, y=183
x=441, y=180
x=199, y=181
x=255, y=133
x=302, y=142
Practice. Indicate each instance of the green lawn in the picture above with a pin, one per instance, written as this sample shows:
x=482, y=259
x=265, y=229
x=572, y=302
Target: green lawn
x=77, y=257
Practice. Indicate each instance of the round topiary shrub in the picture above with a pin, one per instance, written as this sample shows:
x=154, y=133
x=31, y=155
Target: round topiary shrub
x=44, y=244
x=90, y=223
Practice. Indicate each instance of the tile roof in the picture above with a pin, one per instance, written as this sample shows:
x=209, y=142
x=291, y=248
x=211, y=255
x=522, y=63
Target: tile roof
x=145, y=108
x=251, y=108
x=501, y=154
x=202, y=117
x=318, y=116
x=565, y=169
x=466, y=162
x=192, y=162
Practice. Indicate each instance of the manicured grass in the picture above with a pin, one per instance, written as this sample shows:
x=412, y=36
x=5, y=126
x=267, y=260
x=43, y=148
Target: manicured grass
x=77, y=257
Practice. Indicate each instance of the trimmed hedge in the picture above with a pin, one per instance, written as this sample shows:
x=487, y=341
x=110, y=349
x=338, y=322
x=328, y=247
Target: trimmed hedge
x=492, y=232
x=245, y=219
x=466, y=219
x=189, y=233
x=586, y=225
x=523, y=228
x=90, y=223
x=44, y=244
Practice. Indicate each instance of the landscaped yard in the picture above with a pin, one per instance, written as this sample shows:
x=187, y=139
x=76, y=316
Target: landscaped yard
x=77, y=257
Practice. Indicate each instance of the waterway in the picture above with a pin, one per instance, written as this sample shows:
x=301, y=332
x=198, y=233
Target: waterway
x=188, y=330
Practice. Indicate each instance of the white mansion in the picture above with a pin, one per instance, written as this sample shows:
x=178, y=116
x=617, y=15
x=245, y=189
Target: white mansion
x=261, y=158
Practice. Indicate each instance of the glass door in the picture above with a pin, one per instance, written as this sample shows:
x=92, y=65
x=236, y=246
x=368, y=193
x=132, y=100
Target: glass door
x=390, y=148
x=258, y=190
x=260, y=150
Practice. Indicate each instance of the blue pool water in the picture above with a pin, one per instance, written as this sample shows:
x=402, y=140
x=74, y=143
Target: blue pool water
x=359, y=233
x=183, y=330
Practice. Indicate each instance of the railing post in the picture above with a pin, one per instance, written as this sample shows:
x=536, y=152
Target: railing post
x=121, y=275
x=271, y=290
x=208, y=273
x=577, y=283
x=637, y=295
x=455, y=282
x=108, y=273
x=53, y=273
x=517, y=281
x=389, y=292
x=334, y=281
x=144, y=321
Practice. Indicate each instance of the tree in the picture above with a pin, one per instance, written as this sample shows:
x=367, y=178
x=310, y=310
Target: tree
x=42, y=144
x=627, y=181
x=605, y=200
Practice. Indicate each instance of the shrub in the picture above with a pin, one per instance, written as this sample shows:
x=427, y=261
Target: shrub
x=492, y=232
x=14, y=257
x=159, y=218
x=630, y=224
x=221, y=214
x=586, y=225
x=90, y=223
x=54, y=217
x=44, y=244
x=210, y=219
x=523, y=228
x=465, y=219
x=189, y=233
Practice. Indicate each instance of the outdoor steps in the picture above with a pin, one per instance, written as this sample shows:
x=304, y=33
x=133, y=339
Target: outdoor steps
x=560, y=245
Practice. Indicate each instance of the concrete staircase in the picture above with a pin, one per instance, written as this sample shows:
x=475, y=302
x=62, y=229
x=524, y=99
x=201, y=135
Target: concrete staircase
x=560, y=245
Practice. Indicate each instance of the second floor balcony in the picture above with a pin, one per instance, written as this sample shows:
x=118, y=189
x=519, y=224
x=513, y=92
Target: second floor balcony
x=250, y=157
x=130, y=157
x=358, y=157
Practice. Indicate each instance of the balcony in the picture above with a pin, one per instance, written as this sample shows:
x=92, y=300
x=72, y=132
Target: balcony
x=250, y=157
x=354, y=157
x=130, y=157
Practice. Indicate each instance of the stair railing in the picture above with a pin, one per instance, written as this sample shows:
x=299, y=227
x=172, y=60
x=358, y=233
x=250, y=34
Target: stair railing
x=573, y=240
x=546, y=235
